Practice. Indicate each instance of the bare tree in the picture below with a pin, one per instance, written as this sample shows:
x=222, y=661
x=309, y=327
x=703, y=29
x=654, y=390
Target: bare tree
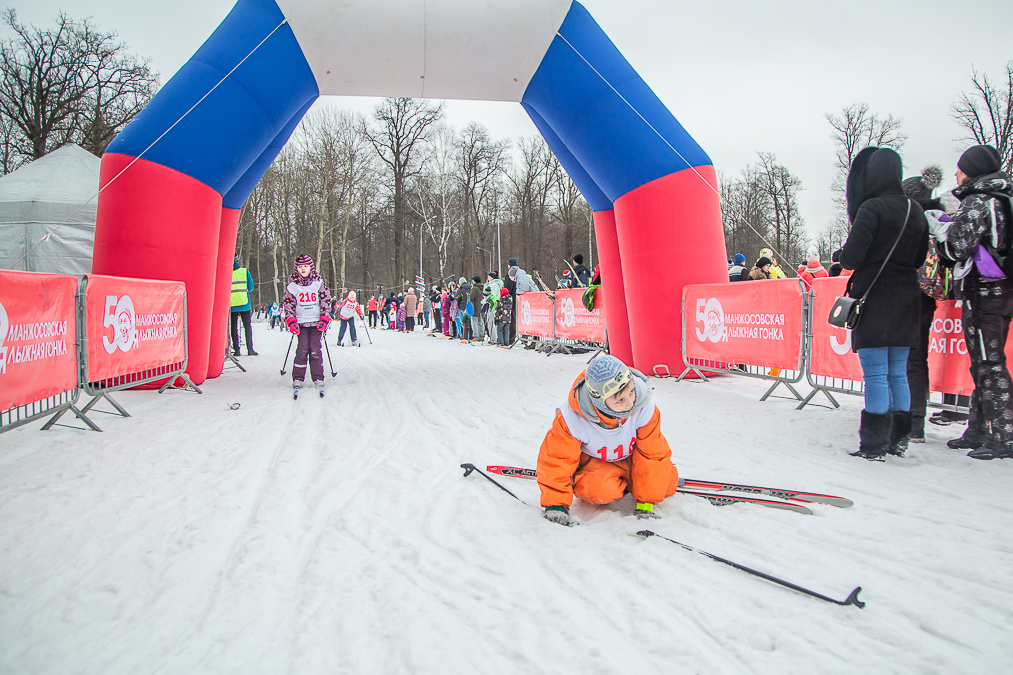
x=404, y=122
x=119, y=86
x=745, y=213
x=855, y=129
x=438, y=196
x=72, y=83
x=788, y=226
x=481, y=164
x=532, y=184
x=832, y=237
x=986, y=114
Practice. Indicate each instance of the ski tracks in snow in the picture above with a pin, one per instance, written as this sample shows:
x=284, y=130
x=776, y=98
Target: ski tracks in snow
x=338, y=535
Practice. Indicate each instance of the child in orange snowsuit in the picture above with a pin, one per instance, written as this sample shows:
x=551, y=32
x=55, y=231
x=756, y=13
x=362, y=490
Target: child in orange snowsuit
x=605, y=442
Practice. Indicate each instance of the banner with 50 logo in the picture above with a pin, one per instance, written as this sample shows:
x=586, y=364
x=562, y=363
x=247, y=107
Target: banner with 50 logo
x=133, y=325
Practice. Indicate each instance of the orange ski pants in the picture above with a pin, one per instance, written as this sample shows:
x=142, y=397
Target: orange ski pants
x=601, y=482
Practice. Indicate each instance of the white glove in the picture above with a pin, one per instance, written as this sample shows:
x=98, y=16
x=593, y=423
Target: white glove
x=939, y=224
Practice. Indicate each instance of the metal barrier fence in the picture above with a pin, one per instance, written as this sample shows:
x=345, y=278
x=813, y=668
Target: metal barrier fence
x=826, y=384
x=56, y=405
x=557, y=343
x=101, y=389
x=779, y=377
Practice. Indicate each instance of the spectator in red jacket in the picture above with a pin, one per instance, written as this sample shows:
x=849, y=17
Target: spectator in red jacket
x=812, y=270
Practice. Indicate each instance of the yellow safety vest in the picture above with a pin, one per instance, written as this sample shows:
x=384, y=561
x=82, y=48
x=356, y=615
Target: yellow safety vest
x=240, y=296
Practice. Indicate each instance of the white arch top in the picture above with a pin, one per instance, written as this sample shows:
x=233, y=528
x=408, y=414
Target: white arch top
x=458, y=49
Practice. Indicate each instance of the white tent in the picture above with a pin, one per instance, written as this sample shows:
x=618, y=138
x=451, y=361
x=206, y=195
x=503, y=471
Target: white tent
x=36, y=198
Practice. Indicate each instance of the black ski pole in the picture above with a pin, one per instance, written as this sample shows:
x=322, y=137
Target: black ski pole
x=367, y=331
x=323, y=338
x=468, y=468
x=286, y=354
x=851, y=600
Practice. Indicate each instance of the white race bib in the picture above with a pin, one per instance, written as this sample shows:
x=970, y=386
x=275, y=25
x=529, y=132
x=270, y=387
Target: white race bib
x=307, y=301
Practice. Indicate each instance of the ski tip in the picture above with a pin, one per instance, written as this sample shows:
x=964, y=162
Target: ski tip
x=853, y=599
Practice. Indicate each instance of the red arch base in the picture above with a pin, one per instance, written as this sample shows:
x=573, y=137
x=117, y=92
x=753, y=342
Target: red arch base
x=667, y=239
x=223, y=290
x=174, y=222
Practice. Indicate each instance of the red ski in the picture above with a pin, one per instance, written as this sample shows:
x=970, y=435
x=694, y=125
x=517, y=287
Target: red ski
x=714, y=487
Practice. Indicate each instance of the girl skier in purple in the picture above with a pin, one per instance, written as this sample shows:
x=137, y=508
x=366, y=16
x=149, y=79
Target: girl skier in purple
x=307, y=307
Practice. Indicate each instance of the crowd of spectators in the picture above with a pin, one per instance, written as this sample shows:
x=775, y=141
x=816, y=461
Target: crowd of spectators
x=478, y=310
x=905, y=251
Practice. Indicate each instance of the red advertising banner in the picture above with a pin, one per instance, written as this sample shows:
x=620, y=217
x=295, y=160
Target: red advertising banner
x=535, y=314
x=133, y=325
x=37, y=334
x=574, y=322
x=758, y=323
x=831, y=346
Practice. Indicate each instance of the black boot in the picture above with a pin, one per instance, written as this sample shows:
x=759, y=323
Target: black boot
x=917, y=434
x=899, y=432
x=874, y=436
x=964, y=442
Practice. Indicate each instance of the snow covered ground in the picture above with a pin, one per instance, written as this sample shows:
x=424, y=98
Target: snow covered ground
x=339, y=536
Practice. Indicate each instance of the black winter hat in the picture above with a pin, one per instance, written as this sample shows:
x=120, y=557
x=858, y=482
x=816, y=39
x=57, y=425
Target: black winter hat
x=980, y=160
x=763, y=262
x=511, y=262
x=477, y=279
x=919, y=188
x=578, y=258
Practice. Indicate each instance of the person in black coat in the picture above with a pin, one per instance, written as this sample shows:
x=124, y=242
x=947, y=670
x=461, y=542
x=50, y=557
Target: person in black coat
x=581, y=270
x=979, y=232
x=888, y=329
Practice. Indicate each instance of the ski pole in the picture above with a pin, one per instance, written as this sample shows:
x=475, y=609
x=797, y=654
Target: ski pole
x=367, y=331
x=468, y=468
x=286, y=354
x=323, y=338
x=851, y=600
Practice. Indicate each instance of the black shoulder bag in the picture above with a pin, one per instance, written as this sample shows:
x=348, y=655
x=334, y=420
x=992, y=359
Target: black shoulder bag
x=847, y=312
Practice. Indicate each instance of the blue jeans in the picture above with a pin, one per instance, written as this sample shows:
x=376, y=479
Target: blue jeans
x=885, y=373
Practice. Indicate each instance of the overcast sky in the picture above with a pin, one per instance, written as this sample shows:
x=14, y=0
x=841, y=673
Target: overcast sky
x=741, y=76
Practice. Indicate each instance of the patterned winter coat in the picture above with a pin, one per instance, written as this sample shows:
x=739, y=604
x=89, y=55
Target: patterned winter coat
x=981, y=219
x=505, y=309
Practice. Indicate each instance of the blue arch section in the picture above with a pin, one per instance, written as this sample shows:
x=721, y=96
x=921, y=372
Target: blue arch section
x=592, y=193
x=618, y=150
x=228, y=132
x=236, y=197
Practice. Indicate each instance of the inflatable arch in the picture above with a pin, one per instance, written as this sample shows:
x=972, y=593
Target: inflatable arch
x=174, y=214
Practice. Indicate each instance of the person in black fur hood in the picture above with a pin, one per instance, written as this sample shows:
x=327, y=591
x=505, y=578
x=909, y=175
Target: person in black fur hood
x=979, y=233
x=881, y=216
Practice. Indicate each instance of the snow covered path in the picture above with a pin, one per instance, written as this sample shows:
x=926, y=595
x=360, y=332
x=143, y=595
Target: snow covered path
x=339, y=536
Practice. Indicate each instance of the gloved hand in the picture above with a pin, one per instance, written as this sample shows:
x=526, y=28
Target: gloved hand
x=645, y=510
x=557, y=514
x=950, y=203
x=939, y=224
x=322, y=324
x=293, y=327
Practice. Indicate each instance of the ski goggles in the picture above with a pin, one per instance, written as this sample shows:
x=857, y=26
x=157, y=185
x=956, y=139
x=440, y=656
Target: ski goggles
x=611, y=386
